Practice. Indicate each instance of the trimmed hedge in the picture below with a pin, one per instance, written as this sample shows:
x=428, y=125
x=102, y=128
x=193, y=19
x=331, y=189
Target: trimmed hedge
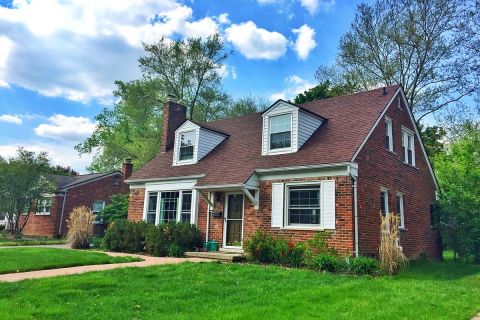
x=171, y=239
x=313, y=254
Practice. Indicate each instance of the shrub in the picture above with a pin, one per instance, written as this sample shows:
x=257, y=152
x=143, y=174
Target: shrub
x=325, y=262
x=260, y=247
x=392, y=258
x=172, y=239
x=96, y=242
x=80, y=228
x=362, y=265
x=125, y=236
x=116, y=209
x=318, y=245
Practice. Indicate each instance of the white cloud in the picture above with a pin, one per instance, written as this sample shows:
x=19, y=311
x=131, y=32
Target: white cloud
x=59, y=154
x=313, y=6
x=256, y=43
x=10, y=119
x=227, y=71
x=223, y=18
x=76, y=49
x=61, y=127
x=305, y=41
x=295, y=85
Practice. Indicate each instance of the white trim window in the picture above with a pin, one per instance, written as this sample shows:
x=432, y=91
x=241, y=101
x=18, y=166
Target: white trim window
x=389, y=134
x=384, y=202
x=400, y=209
x=167, y=206
x=187, y=146
x=303, y=205
x=44, y=206
x=408, y=145
x=280, y=134
x=98, y=205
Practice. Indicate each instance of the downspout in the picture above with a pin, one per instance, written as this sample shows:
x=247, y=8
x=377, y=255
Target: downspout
x=355, y=210
x=208, y=216
x=61, y=216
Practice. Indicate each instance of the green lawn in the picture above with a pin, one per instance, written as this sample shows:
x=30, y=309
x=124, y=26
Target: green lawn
x=29, y=259
x=9, y=240
x=232, y=291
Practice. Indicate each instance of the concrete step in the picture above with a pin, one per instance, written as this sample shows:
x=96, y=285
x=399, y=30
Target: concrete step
x=217, y=255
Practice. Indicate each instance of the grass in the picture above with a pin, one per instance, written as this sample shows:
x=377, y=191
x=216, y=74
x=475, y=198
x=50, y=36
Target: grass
x=426, y=290
x=9, y=241
x=29, y=259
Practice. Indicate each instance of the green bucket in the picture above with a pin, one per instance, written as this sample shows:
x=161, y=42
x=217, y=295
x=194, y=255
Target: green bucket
x=213, y=246
x=207, y=246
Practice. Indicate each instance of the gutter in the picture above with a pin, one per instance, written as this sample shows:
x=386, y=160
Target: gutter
x=61, y=216
x=131, y=181
x=355, y=209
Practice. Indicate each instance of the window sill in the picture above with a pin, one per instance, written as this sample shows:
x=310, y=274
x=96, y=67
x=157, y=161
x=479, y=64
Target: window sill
x=402, y=229
x=409, y=165
x=391, y=151
x=42, y=214
x=316, y=228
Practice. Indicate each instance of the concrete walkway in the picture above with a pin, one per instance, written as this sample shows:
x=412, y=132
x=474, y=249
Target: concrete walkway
x=56, y=246
x=477, y=317
x=147, y=261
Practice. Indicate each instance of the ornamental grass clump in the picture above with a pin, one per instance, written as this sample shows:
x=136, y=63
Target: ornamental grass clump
x=80, y=228
x=392, y=258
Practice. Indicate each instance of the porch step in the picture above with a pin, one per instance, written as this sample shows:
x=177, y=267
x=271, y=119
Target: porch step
x=217, y=255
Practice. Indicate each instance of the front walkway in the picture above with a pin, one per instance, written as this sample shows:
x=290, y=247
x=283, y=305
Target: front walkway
x=147, y=261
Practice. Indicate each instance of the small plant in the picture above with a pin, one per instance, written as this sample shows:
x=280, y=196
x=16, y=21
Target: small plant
x=392, y=258
x=125, y=236
x=318, y=245
x=260, y=247
x=325, y=262
x=363, y=265
x=80, y=228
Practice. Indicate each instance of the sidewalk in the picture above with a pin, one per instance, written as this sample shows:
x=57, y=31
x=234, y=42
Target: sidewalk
x=148, y=261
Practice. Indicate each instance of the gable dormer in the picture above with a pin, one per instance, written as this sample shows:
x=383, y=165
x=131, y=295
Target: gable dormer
x=193, y=142
x=286, y=127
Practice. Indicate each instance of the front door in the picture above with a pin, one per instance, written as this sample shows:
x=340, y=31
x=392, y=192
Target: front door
x=233, y=226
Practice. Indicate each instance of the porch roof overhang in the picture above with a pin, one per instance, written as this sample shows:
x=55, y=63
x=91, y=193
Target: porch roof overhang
x=246, y=189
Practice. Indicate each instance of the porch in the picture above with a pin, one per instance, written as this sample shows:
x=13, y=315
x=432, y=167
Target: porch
x=224, y=256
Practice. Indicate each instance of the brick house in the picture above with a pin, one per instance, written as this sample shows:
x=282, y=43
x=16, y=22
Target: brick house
x=91, y=190
x=330, y=165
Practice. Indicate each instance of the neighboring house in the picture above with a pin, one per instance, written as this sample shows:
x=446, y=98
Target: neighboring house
x=330, y=165
x=90, y=190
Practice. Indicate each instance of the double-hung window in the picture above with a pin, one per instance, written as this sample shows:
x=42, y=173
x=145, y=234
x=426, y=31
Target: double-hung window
x=408, y=146
x=167, y=206
x=388, y=134
x=400, y=211
x=98, y=206
x=280, y=131
x=187, y=146
x=44, y=206
x=304, y=205
x=384, y=202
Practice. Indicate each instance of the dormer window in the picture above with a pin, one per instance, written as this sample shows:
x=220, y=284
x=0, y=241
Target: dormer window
x=187, y=145
x=281, y=131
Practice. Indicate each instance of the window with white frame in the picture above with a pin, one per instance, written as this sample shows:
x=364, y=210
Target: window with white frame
x=167, y=206
x=280, y=131
x=408, y=146
x=187, y=146
x=400, y=209
x=303, y=205
x=98, y=205
x=44, y=206
x=388, y=134
x=384, y=202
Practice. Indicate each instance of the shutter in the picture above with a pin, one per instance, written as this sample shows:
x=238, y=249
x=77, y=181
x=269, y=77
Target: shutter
x=277, y=205
x=328, y=204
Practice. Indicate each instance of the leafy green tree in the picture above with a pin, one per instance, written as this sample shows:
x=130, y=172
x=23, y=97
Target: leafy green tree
x=426, y=45
x=324, y=90
x=458, y=211
x=132, y=129
x=434, y=139
x=63, y=171
x=244, y=106
x=186, y=68
x=23, y=184
x=116, y=209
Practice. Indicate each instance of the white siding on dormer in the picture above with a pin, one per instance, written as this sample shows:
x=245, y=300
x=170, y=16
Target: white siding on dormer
x=304, y=125
x=307, y=125
x=208, y=140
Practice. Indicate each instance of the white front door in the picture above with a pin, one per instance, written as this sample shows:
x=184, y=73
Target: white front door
x=233, y=220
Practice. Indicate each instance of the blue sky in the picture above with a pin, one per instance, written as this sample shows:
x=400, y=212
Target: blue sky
x=59, y=59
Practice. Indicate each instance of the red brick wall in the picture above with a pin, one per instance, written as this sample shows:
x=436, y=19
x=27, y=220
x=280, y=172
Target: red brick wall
x=83, y=195
x=135, y=205
x=378, y=168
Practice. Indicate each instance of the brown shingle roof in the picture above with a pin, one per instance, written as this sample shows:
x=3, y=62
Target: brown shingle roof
x=349, y=119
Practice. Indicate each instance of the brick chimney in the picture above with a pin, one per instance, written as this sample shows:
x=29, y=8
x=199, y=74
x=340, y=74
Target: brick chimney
x=174, y=115
x=127, y=169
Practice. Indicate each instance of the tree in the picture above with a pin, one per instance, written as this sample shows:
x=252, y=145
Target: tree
x=116, y=209
x=23, y=184
x=186, y=68
x=433, y=138
x=425, y=45
x=63, y=171
x=324, y=90
x=246, y=105
x=458, y=211
x=132, y=129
